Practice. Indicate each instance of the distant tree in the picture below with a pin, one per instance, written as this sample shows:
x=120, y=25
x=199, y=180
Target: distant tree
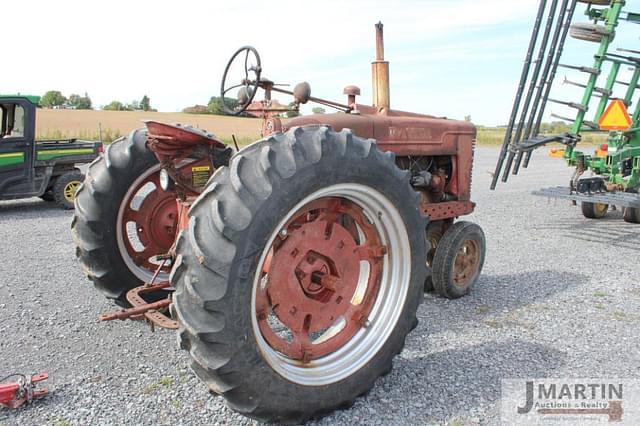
x=52, y=98
x=467, y=118
x=318, y=110
x=555, y=127
x=196, y=109
x=215, y=105
x=115, y=106
x=80, y=102
x=145, y=103
x=292, y=113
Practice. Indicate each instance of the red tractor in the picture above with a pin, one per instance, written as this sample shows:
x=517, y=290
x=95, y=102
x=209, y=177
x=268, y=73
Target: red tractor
x=292, y=268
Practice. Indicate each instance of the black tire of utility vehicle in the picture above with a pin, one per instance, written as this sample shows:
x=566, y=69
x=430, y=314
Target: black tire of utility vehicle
x=631, y=215
x=594, y=210
x=218, y=256
x=64, y=200
x=445, y=257
x=98, y=201
x=48, y=195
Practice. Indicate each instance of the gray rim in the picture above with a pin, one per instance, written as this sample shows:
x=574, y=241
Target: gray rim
x=394, y=287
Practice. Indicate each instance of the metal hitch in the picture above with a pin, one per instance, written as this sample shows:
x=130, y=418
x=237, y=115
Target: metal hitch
x=15, y=394
x=143, y=310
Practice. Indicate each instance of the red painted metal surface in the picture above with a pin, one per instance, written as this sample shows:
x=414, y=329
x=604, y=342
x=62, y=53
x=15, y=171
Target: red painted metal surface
x=310, y=282
x=15, y=394
x=155, y=222
x=409, y=134
x=171, y=142
x=447, y=210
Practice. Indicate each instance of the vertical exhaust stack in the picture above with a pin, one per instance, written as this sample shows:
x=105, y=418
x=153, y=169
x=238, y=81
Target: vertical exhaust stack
x=380, y=74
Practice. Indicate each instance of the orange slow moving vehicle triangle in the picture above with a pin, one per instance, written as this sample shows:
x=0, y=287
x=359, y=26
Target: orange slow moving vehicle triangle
x=615, y=117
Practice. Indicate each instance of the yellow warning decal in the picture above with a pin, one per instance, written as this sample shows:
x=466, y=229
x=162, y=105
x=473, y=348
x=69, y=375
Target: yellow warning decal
x=615, y=117
x=200, y=175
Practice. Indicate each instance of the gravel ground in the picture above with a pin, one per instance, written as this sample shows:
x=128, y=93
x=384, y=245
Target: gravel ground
x=558, y=298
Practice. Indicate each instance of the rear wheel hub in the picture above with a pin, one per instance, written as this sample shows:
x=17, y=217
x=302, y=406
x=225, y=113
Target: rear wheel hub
x=322, y=281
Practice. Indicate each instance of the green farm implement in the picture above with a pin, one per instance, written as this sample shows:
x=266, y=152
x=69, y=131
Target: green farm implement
x=609, y=91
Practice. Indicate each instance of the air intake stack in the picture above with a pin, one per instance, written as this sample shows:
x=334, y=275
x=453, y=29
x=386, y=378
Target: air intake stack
x=380, y=73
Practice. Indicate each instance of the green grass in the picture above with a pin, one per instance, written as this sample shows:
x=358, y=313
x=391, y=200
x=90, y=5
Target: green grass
x=494, y=136
x=108, y=135
x=600, y=293
x=166, y=381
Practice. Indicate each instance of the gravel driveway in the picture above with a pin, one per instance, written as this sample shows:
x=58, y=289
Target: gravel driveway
x=559, y=297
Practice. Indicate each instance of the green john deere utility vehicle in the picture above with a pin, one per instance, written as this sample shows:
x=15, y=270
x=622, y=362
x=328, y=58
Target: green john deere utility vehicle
x=48, y=169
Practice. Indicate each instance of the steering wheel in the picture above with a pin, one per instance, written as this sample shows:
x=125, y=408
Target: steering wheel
x=248, y=85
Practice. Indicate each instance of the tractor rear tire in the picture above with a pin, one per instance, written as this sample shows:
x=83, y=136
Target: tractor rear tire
x=464, y=239
x=631, y=215
x=594, y=210
x=588, y=32
x=65, y=187
x=98, y=200
x=244, y=219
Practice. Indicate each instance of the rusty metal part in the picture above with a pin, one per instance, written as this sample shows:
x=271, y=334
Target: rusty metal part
x=409, y=134
x=141, y=309
x=465, y=265
x=312, y=281
x=380, y=74
x=16, y=394
x=448, y=209
x=351, y=91
x=149, y=229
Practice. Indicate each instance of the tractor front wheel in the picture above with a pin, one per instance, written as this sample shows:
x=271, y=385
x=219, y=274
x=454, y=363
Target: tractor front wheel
x=300, y=273
x=458, y=260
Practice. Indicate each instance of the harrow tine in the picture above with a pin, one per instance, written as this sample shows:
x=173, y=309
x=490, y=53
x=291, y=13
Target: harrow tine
x=587, y=70
x=575, y=105
x=562, y=31
x=516, y=104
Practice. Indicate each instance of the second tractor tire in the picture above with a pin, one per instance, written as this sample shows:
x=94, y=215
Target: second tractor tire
x=94, y=224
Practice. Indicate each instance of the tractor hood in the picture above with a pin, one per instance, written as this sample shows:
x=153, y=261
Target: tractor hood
x=402, y=132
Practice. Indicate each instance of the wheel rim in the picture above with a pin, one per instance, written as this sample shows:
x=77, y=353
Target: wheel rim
x=146, y=226
x=70, y=190
x=600, y=209
x=331, y=284
x=465, y=265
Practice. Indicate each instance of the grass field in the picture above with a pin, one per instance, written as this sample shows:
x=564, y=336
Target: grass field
x=61, y=124
x=85, y=124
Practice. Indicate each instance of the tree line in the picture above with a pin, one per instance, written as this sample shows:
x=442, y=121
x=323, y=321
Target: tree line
x=55, y=99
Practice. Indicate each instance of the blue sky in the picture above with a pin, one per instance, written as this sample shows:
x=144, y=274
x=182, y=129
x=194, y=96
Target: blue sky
x=448, y=57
